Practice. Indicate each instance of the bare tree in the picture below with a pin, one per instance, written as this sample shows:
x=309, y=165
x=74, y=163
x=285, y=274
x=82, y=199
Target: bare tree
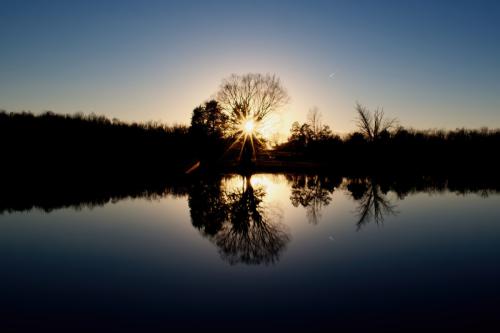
x=251, y=96
x=314, y=120
x=372, y=124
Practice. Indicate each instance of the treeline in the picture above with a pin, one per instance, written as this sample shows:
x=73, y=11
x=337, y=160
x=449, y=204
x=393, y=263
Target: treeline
x=381, y=145
x=91, y=145
x=95, y=146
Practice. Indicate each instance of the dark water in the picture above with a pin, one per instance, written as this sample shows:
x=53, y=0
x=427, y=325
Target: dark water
x=266, y=253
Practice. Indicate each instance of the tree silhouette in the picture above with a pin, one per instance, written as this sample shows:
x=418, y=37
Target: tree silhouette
x=312, y=135
x=250, y=98
x=209, y=120
x=301, y=135
x=208, y=127
x=373, y=124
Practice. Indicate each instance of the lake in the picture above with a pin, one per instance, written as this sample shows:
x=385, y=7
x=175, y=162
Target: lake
x=266, y=252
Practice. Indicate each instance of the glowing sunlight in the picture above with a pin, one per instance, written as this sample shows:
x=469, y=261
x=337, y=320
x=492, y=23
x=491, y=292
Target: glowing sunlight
x=249, y=126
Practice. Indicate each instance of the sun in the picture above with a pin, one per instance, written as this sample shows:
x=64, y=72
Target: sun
x=249, y=126
x=249, y=135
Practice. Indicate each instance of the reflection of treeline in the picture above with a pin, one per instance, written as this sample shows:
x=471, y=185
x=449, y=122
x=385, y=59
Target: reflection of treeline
x=37, y=191
x=371, y=193
x=312, y=192
x=459, y=184
x=91, y=144
x=230, y=211
x=380, y=145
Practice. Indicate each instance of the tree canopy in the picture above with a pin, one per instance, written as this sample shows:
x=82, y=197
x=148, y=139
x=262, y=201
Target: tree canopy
x=251, y=96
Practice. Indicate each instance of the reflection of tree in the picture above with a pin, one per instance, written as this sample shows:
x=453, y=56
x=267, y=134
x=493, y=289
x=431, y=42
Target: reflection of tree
x=238, y=222
x=373, y=202
x=207, y=206
x=313, y=193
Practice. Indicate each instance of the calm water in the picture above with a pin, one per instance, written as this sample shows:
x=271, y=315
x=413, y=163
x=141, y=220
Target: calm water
x=269, y=252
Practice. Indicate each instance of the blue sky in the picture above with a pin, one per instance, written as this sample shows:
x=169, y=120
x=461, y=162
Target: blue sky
x=428, y=63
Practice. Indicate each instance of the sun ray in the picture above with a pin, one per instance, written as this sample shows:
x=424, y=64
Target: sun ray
x=235, y=141
x=253, y=147
x=242, y=147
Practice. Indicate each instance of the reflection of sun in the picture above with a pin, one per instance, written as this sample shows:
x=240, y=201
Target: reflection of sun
x=275, y=187
x=261, y=180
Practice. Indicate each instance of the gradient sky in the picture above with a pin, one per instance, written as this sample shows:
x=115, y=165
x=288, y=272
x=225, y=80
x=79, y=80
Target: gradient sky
x=428, y=63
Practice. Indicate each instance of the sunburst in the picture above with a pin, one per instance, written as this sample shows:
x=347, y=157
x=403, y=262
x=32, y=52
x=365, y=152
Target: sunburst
x=248, y=131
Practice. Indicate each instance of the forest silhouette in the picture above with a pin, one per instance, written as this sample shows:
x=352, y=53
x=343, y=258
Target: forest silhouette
x=226, y=135
x=93, y=147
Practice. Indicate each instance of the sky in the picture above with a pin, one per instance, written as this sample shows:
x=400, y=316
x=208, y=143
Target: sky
x=431, y=64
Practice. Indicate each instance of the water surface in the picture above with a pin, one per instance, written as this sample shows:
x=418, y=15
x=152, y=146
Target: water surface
x=262, y=252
